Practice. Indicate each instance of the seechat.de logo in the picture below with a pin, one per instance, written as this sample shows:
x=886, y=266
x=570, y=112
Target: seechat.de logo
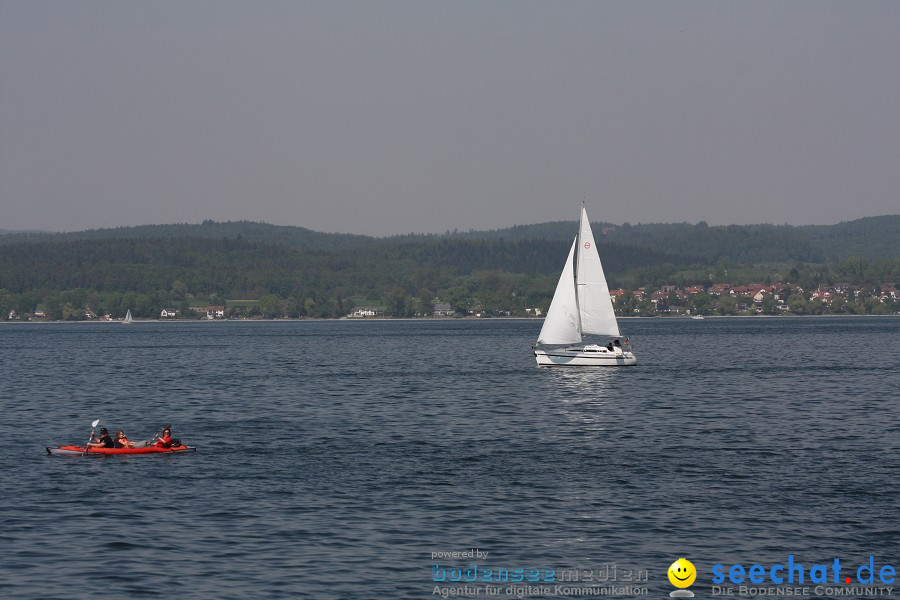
x=792, y=572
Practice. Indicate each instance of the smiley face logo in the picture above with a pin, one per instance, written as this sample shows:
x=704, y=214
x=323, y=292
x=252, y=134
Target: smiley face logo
x=682, y=573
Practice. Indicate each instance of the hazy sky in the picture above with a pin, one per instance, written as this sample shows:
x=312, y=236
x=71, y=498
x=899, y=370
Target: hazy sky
x=385, y=117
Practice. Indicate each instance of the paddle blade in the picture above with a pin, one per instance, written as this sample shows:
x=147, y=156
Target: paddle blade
x=95, y=423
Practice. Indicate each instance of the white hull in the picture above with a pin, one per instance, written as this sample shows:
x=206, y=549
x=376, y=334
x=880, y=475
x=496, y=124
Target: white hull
x=585, y=356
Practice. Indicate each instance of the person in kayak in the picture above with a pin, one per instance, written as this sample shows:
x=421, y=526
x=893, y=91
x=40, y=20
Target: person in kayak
x=156, y=440
x=121, y=441
x=104, y=441
x=165, y=440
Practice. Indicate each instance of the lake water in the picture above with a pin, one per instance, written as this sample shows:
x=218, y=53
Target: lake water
x=336, y=457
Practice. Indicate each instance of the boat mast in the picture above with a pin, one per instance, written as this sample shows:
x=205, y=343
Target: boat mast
x=576, y=263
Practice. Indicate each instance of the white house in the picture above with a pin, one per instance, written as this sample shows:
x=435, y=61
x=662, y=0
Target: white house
x=442, y=309
x=212, y=312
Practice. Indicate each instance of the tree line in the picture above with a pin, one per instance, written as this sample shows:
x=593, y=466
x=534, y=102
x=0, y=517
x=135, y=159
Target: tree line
x=145, y=274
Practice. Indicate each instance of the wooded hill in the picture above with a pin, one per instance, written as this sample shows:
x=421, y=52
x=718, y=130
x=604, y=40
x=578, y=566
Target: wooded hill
x=171, y=265
x=874, y=238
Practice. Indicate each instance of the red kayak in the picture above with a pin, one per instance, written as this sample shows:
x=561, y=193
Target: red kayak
x=98, y=451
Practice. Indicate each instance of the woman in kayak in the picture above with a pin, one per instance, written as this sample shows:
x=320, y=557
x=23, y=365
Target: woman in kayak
x=103, y=441
x=165, y=440
x=121, y=441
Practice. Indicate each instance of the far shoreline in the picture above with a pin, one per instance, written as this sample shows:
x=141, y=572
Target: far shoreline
x=418, y=320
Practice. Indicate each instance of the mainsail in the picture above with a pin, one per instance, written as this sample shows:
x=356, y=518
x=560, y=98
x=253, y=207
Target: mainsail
x=597, y=314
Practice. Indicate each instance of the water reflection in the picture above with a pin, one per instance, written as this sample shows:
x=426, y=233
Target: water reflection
x=588, y=396
x=593, y=382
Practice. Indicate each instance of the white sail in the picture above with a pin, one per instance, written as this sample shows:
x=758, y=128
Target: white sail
x=597, y=314
x=561, y=325
x=128, y=318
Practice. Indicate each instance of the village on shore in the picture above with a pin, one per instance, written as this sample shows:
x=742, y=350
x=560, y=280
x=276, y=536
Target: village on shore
x=718, y=299
x=726, y=299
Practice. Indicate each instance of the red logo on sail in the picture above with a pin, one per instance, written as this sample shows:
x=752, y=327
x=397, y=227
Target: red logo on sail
x=587, y=245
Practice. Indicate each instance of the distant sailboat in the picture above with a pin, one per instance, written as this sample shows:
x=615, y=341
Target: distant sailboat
x=581, y=305
x=128, y=320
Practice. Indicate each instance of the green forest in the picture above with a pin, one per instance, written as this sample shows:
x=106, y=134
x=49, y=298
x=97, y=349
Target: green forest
x=280, y=271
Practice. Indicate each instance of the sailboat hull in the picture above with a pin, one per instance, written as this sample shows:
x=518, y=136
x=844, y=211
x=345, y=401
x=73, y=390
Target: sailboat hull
x=586, y=356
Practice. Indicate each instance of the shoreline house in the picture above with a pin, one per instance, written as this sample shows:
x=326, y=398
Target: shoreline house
x=442, y=309
x=669, y=301
x=212, y=312
x=616, y=294
x=761, y=292
x=823, y=294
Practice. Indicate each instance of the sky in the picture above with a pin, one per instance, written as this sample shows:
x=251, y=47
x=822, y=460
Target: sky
x=385, y=117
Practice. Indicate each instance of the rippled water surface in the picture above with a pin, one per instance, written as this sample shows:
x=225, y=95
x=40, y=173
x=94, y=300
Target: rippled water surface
x=335, y=457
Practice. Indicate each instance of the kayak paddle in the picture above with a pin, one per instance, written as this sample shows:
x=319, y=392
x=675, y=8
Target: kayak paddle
x=93, y=425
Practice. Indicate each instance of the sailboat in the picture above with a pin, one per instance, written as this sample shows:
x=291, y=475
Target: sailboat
x=128, y=320
x=581, y=305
